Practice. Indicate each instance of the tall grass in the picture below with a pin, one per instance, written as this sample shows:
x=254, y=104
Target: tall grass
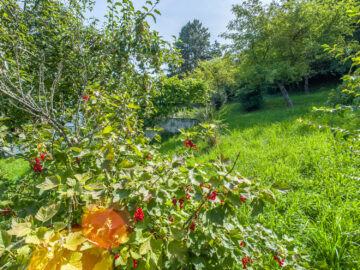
x=321, y=208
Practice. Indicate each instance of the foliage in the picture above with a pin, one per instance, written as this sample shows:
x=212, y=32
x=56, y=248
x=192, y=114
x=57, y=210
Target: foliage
x=251, y=99
x=317, y=204
x=194, y=46
x=219, y=73
x=343, y=119
x=178, y=93
x=337, y=96
x=87, y=148
x=278, y=43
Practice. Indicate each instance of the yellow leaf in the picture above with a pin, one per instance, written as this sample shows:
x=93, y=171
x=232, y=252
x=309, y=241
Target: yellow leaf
x=20, y=229
x=73, y=240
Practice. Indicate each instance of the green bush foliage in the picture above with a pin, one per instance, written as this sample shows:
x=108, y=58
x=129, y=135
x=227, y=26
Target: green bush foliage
x=251, y=99
x=89, y=150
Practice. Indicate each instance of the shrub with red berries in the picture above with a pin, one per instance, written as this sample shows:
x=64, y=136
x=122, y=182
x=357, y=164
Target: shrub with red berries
x=149, y=211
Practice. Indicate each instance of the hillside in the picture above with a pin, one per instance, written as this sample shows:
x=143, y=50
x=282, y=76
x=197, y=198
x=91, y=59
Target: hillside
x=318, y=206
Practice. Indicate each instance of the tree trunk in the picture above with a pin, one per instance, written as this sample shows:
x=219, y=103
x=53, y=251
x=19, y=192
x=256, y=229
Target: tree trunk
x=285, y=94
x=306, y=85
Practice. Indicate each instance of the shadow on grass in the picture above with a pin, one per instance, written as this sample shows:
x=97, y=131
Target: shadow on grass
x=274, y=111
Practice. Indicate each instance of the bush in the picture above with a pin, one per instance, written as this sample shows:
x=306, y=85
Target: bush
x=96, y=186
x=251, y=99
x=219, y=98
x=338, y=97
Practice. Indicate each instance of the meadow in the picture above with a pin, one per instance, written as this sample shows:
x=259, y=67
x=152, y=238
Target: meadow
x=313, y=174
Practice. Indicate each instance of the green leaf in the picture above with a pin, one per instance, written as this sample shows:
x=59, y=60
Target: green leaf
x=281, y=185
x=216, y=215
x=234, y=199
x=45, y=213
x=76, y=149
x=82, y=177
x=267, y=196
x=107, y=130
x=152, y=15
x=177, y=251
x=135, y=255
x=50, y=182
x=145, y=247
x=216, y=181
x=125, y=164
x=121, y=194
x=5, y=240
x=257, y=207
x=58, y=226
x=243, y=183
x=133, y=106
x=110, y=154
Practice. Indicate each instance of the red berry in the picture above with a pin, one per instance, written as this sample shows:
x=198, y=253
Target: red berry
x=213, y=196
x=139, y=215
x=181, y=201
x=243, y=199
x=245, y=261
x=192, y=226
x=85, y=97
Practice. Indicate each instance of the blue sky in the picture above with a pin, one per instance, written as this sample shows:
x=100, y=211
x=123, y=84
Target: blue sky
x=214, y=14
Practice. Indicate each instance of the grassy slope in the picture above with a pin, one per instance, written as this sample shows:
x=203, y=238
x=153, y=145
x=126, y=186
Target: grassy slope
x=322, y=208
x=13, y=169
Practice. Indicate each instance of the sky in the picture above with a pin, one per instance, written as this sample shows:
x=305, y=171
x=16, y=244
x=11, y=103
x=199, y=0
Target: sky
x=214, y=15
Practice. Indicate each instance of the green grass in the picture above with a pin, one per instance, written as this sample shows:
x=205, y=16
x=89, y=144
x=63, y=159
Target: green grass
x=13, y=169
x=322, y=208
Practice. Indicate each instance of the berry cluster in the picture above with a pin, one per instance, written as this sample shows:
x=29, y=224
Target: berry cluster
x=7, y=212
x=245, y=261
x=213, y=195
x=243, y=199
x=281, y=262
x=192, y=226
x=139, y=215
x=37, y=167
x=181, y=201
x=190, y=144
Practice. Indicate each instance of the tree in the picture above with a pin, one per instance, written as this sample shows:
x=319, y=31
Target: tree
x=98, y=194
x=332, y=26
x=278, y=43
x=219, y=73
x=194, y=45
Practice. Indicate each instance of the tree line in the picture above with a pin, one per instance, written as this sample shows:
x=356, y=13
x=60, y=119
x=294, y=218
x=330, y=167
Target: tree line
x=272, y=48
